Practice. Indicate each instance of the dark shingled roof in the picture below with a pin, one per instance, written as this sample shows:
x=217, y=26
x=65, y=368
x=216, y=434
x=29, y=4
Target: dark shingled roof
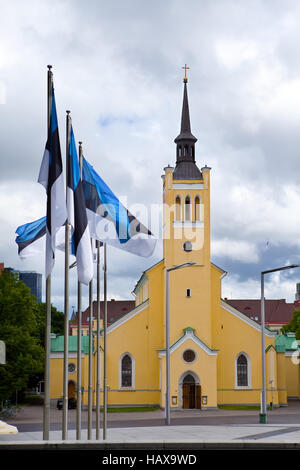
x=187, y=171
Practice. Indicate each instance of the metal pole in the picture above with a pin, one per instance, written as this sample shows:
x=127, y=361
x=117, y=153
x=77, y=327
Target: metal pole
x=263, y=414
x=104, y=346
x=79, y=393
x=66, y=303
x=167, y=351
x=90, y=383
x=46, y=410
x=79, y=320
x=98, y=345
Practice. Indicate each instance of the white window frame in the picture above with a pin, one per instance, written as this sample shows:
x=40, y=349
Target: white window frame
x=200, y=208
x=180, y=219
x=243, y=387
x=191, y=208
x=121, y=387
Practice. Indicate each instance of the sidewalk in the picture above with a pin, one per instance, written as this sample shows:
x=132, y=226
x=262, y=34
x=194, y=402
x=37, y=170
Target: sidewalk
x=163, y=437
x=287, y=435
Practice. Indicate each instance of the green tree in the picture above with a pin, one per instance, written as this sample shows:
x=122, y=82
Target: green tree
x=293, y=325
x=57, y=321
x=18, y=329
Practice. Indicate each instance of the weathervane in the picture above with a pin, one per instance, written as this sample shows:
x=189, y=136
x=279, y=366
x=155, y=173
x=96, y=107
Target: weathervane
x=185, y=69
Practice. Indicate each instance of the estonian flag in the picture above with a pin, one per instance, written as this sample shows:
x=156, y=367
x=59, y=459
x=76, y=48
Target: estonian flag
x=109, y=220
x=51, y=177
x=30, y=239
x=81, y=239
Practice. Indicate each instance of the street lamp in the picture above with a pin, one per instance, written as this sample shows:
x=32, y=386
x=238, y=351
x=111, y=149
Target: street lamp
x=173, y=268
x=263, y=413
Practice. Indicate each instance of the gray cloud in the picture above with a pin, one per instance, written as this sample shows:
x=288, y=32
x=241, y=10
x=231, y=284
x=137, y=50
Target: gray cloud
x=117, y=68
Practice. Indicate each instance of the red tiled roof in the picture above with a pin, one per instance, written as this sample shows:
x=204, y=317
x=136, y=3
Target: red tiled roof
x=276, y=311
x=115, y=310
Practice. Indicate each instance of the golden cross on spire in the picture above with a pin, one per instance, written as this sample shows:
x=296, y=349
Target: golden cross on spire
x=185, y=69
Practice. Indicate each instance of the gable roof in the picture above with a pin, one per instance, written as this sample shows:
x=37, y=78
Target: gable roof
x=276, y=311
x=189, y=333
x=115, y=310
x=229, y=308
x=144, y=277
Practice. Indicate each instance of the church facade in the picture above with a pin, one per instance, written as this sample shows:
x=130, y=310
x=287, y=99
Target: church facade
x=215, y=350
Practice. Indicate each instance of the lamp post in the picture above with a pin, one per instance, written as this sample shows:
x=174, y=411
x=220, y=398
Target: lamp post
x=173, y=268
x=263, y=413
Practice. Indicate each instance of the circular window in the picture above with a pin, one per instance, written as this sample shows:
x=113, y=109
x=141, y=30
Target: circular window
x=188, y=246
x=189, y=355
x=71, y=367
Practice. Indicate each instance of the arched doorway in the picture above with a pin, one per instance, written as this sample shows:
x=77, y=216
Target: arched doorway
x=191, y=393
x=71, y=389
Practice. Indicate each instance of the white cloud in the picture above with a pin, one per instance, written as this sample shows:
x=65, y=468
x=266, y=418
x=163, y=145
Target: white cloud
x=117, y=67
x=277, y=286
x=233, y=54
x=239, y=250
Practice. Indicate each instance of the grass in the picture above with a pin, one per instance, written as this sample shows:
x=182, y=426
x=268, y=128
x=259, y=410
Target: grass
x=131, y=409
x=241, y=407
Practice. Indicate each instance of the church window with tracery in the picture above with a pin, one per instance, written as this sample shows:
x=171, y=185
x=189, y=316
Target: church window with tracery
x=242, y=371
x=126, y=371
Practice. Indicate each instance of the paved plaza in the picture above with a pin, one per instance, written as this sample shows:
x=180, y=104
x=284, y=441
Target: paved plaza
x=188, y=429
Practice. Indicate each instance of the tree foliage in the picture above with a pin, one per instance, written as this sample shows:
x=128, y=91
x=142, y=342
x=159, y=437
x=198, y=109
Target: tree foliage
x=57, y=321
x=293, y=325
x=18, y=330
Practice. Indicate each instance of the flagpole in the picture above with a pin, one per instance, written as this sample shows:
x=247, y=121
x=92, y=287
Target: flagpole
x=66, y=303
x=104, y=346
x=98, y=344
x=46, y=411
x=79, y=320
x=90, y=383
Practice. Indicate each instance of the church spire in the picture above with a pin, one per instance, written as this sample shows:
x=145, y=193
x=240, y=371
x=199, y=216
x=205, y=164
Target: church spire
x=185, y=131
x=186, y=167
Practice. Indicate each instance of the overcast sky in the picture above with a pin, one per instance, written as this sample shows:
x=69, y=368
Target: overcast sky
x=117, y=67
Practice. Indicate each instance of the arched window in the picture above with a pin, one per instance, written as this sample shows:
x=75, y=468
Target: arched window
x=177, y=208
x=197, y=208
x=187, y=208
x=126, y=371
x=242, y=371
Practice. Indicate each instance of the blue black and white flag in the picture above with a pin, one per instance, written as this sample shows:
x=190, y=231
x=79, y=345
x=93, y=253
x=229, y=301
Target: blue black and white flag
x=80, y=233
x=51, y=177
x=109, y=220
x=31, y=238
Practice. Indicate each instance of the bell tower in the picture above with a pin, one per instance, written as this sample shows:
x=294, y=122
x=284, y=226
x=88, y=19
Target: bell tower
x=186, y=197
x=186, y=222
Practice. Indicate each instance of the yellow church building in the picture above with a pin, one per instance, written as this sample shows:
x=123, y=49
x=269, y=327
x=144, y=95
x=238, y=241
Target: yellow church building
x=215, y=350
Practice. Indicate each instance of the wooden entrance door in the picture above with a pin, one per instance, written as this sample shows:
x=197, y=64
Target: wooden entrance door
x=191, y=393
x=198, y=397
x=188, y=396
x=71, y=389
